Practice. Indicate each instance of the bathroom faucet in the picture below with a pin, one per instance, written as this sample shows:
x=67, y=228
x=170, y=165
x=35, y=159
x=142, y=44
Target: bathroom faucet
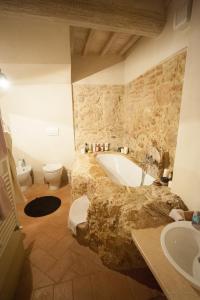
x=149, y=159
x=22, y=163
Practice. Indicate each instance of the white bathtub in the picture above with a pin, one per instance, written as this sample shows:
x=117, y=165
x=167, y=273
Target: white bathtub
x=123, y=171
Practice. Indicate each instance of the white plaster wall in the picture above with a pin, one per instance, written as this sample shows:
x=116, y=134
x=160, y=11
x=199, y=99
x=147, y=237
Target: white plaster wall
x=187, y=164
x=150, y=52
x=30, y=110
x=35, y=55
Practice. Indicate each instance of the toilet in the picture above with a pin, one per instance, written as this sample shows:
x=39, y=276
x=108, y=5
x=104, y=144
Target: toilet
x=52, y=175
x=24, y=176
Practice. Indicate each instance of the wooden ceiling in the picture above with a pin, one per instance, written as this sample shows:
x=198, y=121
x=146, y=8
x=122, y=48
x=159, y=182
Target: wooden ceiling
x=98, y=27
x=87, y=41
x=138, y=17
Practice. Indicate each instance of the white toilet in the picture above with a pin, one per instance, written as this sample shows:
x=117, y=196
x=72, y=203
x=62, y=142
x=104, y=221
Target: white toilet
x=52, y=175
x=24, y=176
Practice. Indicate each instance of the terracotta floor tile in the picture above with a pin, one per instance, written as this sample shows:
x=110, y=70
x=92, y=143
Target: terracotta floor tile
x=70, y=275
x=83, y=266
x=43, y=241
x=61, y=267
x=88, y=255
x=32, y=278
x=53, y=231
x=41, y=259
x=140, y=290
x=82, y=289
x=43, y=293
x=119, y=286
x=63, y=291
x=108, y=286
x=57, y=267
x=37, y=278
x=59, y=249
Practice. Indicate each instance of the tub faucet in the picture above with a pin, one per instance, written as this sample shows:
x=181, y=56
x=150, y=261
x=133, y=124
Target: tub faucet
x=22, y=162
x=149, y=159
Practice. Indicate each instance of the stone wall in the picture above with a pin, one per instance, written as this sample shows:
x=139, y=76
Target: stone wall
x=98, y=114
x=152, y=108
x=115, y=210
x=143, y=113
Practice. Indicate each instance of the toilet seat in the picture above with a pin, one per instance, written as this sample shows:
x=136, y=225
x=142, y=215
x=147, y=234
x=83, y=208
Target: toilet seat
x=53, y=175
x=51, y=168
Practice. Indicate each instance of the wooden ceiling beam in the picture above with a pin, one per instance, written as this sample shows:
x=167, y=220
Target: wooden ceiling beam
x=109, y=43
x=130, y=43
x=89, y=38
x=141, y=19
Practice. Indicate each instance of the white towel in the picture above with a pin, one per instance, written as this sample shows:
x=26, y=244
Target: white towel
x=177, y=214
x=78, y=212
x=19, y=197
x=5, y=206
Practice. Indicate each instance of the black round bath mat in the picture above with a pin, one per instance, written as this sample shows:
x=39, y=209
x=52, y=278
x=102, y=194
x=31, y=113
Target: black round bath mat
x=42, y=206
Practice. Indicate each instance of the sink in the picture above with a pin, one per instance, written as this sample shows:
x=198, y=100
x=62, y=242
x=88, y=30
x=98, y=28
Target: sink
x=180, y=242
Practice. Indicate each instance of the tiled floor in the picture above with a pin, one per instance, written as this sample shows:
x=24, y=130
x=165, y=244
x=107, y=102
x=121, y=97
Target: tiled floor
x=58, y=268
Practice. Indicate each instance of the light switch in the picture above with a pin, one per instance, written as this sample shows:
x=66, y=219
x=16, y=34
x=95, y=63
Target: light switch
x=52, y=131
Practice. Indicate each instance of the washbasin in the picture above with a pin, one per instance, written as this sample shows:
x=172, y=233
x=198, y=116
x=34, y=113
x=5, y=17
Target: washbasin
x=180, y=242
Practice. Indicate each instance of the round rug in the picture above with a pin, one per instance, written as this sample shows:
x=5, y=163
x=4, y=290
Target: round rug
x=42, y=206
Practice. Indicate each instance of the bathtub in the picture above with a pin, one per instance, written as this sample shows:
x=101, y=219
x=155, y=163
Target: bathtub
x=123, y=171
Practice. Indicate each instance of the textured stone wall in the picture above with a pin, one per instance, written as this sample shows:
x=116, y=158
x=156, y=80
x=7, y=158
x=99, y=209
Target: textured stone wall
x=115, y=210
x=98, y=114
x=152, y=107
x=143, y=113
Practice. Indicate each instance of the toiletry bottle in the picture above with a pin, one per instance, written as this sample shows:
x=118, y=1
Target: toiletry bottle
x=102, y=147
x=125, y=150
x=170, y=176
x=90, y=148
x=106, y=147
x=86, y=147
x=20, y=163
x=196, y=219
x=83, y=149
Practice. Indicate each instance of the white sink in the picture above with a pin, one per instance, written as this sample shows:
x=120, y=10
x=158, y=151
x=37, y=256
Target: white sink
x=180, y=243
